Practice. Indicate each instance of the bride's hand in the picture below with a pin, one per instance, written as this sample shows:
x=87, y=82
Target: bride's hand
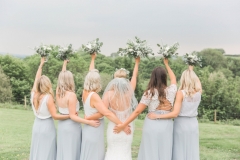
x=94, y=123
x=127, y=130
x=118, y=128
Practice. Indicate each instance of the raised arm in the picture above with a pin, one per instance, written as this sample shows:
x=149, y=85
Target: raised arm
x=53, y=111
x=72, y=112
x=176, y=109
x=93, y=57
x=64, y=67
x=118, y=128
x=170, y=72
x=38, y=74
x=135, y=73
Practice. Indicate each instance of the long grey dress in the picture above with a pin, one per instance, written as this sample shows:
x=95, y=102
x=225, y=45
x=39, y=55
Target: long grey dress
x=43, y=144
x=69, y=137
x=93, y=147
x=157, y=135
x=185, y=130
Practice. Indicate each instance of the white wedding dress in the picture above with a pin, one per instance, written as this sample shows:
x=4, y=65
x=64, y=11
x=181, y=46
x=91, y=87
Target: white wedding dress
x=121, y=101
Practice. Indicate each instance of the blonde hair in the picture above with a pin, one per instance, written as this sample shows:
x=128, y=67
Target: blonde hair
x=44, y=86
x=121, y=73
x=93, y=81
x=65, y=83
x=189, y=82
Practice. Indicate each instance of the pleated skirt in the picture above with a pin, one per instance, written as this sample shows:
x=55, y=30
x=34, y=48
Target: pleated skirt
x=69, y=140
x=43, y=144
x=186, y=139
x=157, y=139
x=93, y=147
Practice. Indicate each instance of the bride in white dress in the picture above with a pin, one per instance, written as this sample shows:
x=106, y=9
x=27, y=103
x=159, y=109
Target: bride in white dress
x=119, y=97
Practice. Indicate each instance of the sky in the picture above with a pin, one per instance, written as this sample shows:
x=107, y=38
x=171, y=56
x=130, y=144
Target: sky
x=196, y=25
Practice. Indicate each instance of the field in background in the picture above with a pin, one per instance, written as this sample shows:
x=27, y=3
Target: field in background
x=217, y=141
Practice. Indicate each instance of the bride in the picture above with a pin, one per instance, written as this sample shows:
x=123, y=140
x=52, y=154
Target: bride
x=119, y=98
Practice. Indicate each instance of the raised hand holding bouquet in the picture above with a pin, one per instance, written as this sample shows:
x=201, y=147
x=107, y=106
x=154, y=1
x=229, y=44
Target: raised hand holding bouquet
x=192, y=59
x=168, y=51
x=92, y=47
x=136, y=48
x=43, y=50
x=64, y=52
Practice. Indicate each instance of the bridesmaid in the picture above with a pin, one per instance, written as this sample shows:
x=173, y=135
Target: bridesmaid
x=69, y=131
x=185, y=130
x=93, y=147
x=156, y=143
x=43, y=144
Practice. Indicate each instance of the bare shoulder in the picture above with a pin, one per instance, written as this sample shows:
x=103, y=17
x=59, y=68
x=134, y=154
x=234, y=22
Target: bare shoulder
x=95, y=96
x=71, y=95
x=179, y=95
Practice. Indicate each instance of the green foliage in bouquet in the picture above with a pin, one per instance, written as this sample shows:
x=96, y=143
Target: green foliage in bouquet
x=92, y=46
x=64, y=52
x=192, y=59
x=43, y=50
x=168, y=51
x=136, y=48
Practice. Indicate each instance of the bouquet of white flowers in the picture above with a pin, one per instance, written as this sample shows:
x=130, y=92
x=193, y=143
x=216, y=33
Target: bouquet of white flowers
x=64, y=52
x=192, y=59
x=136, y=48
x=43, y=50
x=93, y=46
x=168, y=51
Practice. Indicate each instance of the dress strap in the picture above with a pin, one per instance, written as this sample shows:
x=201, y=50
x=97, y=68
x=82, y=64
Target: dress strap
x=88, y=98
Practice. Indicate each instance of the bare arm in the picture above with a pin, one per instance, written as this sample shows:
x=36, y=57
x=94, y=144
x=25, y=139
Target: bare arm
x=135, y=73
x=174, y=113
x=72, y=112
x=93, y=57
x=53, y=111
x=135, y=113
x=64, y=67
x=97, y=102
x=170, y=72
x=38, y=74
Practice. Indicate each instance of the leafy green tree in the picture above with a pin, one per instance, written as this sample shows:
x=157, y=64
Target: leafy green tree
x=5, y=88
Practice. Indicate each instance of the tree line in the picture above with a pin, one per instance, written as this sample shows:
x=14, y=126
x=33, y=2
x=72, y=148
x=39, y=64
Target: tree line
x=220, y=77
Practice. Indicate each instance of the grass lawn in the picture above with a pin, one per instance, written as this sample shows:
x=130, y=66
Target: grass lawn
x=217, y=142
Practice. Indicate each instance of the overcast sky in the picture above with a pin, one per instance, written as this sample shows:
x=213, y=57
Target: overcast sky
x=195, y=24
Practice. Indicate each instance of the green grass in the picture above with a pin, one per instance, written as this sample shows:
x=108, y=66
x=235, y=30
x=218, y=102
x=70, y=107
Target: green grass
x=217, y=141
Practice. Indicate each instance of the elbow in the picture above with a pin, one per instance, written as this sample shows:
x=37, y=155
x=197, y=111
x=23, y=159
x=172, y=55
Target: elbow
x=175, y=115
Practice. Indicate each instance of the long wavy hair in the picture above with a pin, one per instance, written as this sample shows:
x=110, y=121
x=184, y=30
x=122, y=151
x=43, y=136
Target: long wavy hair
x=43, y=87
x=65, y=83
x=92, y=81
x=189, y=82
x=157, y=81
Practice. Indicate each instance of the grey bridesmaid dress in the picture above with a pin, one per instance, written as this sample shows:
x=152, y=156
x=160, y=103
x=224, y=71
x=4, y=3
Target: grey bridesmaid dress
x=157, y=135
x=43, y=144
x=69, y=137
x=185, y=130
x=93, y=147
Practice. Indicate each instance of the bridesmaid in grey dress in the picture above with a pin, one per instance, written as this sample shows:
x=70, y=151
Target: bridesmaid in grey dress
x=69, y=131
x=156, y=143
x=43, y=144
x=185, y=131
x=93, y=147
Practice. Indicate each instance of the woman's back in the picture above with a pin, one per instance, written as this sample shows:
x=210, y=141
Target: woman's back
x=62, y=103
x=41, y=111
x=190, y=104
x=88, y=109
